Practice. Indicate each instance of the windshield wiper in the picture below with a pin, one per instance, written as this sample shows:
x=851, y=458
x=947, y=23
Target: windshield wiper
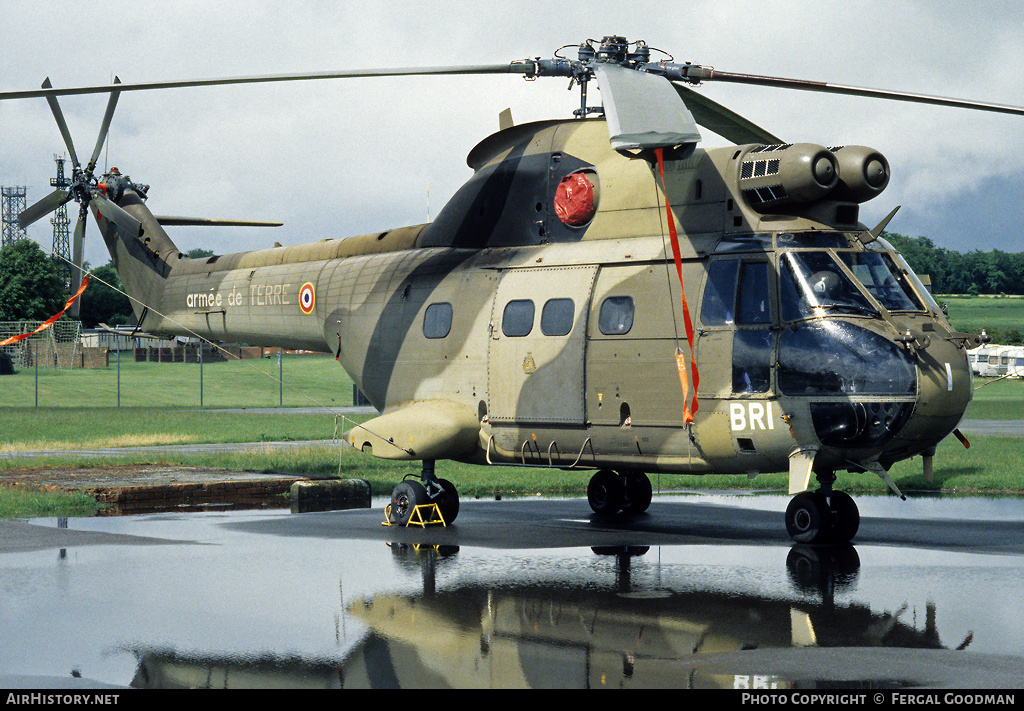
x=856, y=308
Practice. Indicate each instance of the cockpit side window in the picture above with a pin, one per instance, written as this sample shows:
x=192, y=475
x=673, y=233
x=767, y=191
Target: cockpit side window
x=753, y=304
x=751, y=361
x=718, y=305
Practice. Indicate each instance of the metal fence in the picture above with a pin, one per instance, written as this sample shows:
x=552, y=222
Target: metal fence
x=59, y=346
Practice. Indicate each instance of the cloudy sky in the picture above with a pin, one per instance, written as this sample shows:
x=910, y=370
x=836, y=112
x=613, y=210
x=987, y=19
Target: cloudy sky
x=344, y=157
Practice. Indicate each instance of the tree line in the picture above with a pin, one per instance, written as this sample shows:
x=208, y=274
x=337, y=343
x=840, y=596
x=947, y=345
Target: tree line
x=974, y=272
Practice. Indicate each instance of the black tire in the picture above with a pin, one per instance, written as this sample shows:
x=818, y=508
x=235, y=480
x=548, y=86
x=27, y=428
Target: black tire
x=637, y=492
x=605, y=492
x=845, y=517
x=448, y=501
x=808, y=518
x=404, y=499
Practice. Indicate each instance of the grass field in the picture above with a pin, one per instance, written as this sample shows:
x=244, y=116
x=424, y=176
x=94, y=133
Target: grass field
x=996, y=315
x=308, y=380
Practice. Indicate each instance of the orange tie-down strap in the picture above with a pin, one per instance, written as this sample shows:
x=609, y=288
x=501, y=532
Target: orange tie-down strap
x=689, y=402
x=50, y=321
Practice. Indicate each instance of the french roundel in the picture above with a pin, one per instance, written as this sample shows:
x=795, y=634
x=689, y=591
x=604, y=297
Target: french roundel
x=307, y=298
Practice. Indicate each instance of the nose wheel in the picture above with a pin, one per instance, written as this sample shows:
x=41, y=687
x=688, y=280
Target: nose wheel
x=822, y=517
x=429, y=490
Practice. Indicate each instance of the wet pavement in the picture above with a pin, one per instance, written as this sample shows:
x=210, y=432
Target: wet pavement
x=706, y=590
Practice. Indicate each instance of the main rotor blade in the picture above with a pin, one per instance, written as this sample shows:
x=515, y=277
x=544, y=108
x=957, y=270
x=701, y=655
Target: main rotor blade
x=43, y=207
x=104, y=127
x=49, y=92
x=115, y=214
x=76, y=259
x=708, y=74
x=61, y=124
x=725, y=122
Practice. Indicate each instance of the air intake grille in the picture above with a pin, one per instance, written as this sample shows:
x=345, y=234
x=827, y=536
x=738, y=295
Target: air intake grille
x=770, y=193
x=759, y=168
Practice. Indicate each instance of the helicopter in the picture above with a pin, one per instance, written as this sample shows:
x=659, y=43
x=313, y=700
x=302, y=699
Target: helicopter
x=601, y=294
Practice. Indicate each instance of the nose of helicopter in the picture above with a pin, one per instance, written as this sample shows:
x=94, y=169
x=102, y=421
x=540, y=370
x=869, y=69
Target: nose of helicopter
x=944, y=392
x=871, y=395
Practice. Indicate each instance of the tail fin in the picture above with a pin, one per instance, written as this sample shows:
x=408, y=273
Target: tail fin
x=144, y=261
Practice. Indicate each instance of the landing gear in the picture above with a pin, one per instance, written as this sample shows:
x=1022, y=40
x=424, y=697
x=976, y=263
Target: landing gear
x=638, y=492
x=409, y=494
x=404, y=499
x=609, y=492
x=822, y=516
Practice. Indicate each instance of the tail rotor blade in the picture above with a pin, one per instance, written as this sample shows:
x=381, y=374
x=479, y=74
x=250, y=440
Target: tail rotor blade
x=111, y=104
x=76, y=257
x=61, y=124
x=42, y=208
x=115, y=214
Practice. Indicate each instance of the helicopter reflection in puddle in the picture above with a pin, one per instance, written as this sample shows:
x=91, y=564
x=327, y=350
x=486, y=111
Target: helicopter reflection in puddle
x=571, y=633
x=564, y=635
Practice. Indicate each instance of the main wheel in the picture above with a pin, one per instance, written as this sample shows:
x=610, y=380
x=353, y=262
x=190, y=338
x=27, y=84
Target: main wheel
x=404, y=499
x=808, y=518
x=637, y=492
x=605, y=492
x=448, y=501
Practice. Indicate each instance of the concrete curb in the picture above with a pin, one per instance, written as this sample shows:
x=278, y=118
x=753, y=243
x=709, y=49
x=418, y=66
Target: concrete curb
x=136, y=499
x=351, y=493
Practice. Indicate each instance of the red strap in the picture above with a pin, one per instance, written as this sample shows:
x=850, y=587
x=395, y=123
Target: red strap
x=689, y=405
x=53, y=319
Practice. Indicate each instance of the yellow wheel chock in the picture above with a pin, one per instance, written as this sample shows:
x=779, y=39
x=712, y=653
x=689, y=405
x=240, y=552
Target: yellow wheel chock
x=422, y=515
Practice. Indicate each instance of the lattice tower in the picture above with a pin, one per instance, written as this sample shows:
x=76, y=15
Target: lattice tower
x=13, y=205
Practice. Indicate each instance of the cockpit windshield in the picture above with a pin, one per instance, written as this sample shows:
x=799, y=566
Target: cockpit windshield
x=810, y=280
x=879, y=275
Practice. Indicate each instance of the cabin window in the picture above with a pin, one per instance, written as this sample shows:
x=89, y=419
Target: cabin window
x=517, y=319
x=437, y=320
x=556, y=317
x=616, y=316
x=753, y=300
x=717, y=307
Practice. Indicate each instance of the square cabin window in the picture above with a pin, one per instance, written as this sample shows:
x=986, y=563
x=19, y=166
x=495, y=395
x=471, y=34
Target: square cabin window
x=556, y=317
x=616, y=316
x=437, y=320
x=517, y=319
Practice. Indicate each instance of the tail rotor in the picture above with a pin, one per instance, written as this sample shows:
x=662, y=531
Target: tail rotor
x=85, y=189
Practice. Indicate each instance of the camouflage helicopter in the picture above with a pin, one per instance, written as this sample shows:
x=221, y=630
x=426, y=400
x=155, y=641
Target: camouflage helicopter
x=601, y=294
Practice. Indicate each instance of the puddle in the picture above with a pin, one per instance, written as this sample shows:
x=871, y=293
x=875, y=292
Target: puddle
x=229, y=603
